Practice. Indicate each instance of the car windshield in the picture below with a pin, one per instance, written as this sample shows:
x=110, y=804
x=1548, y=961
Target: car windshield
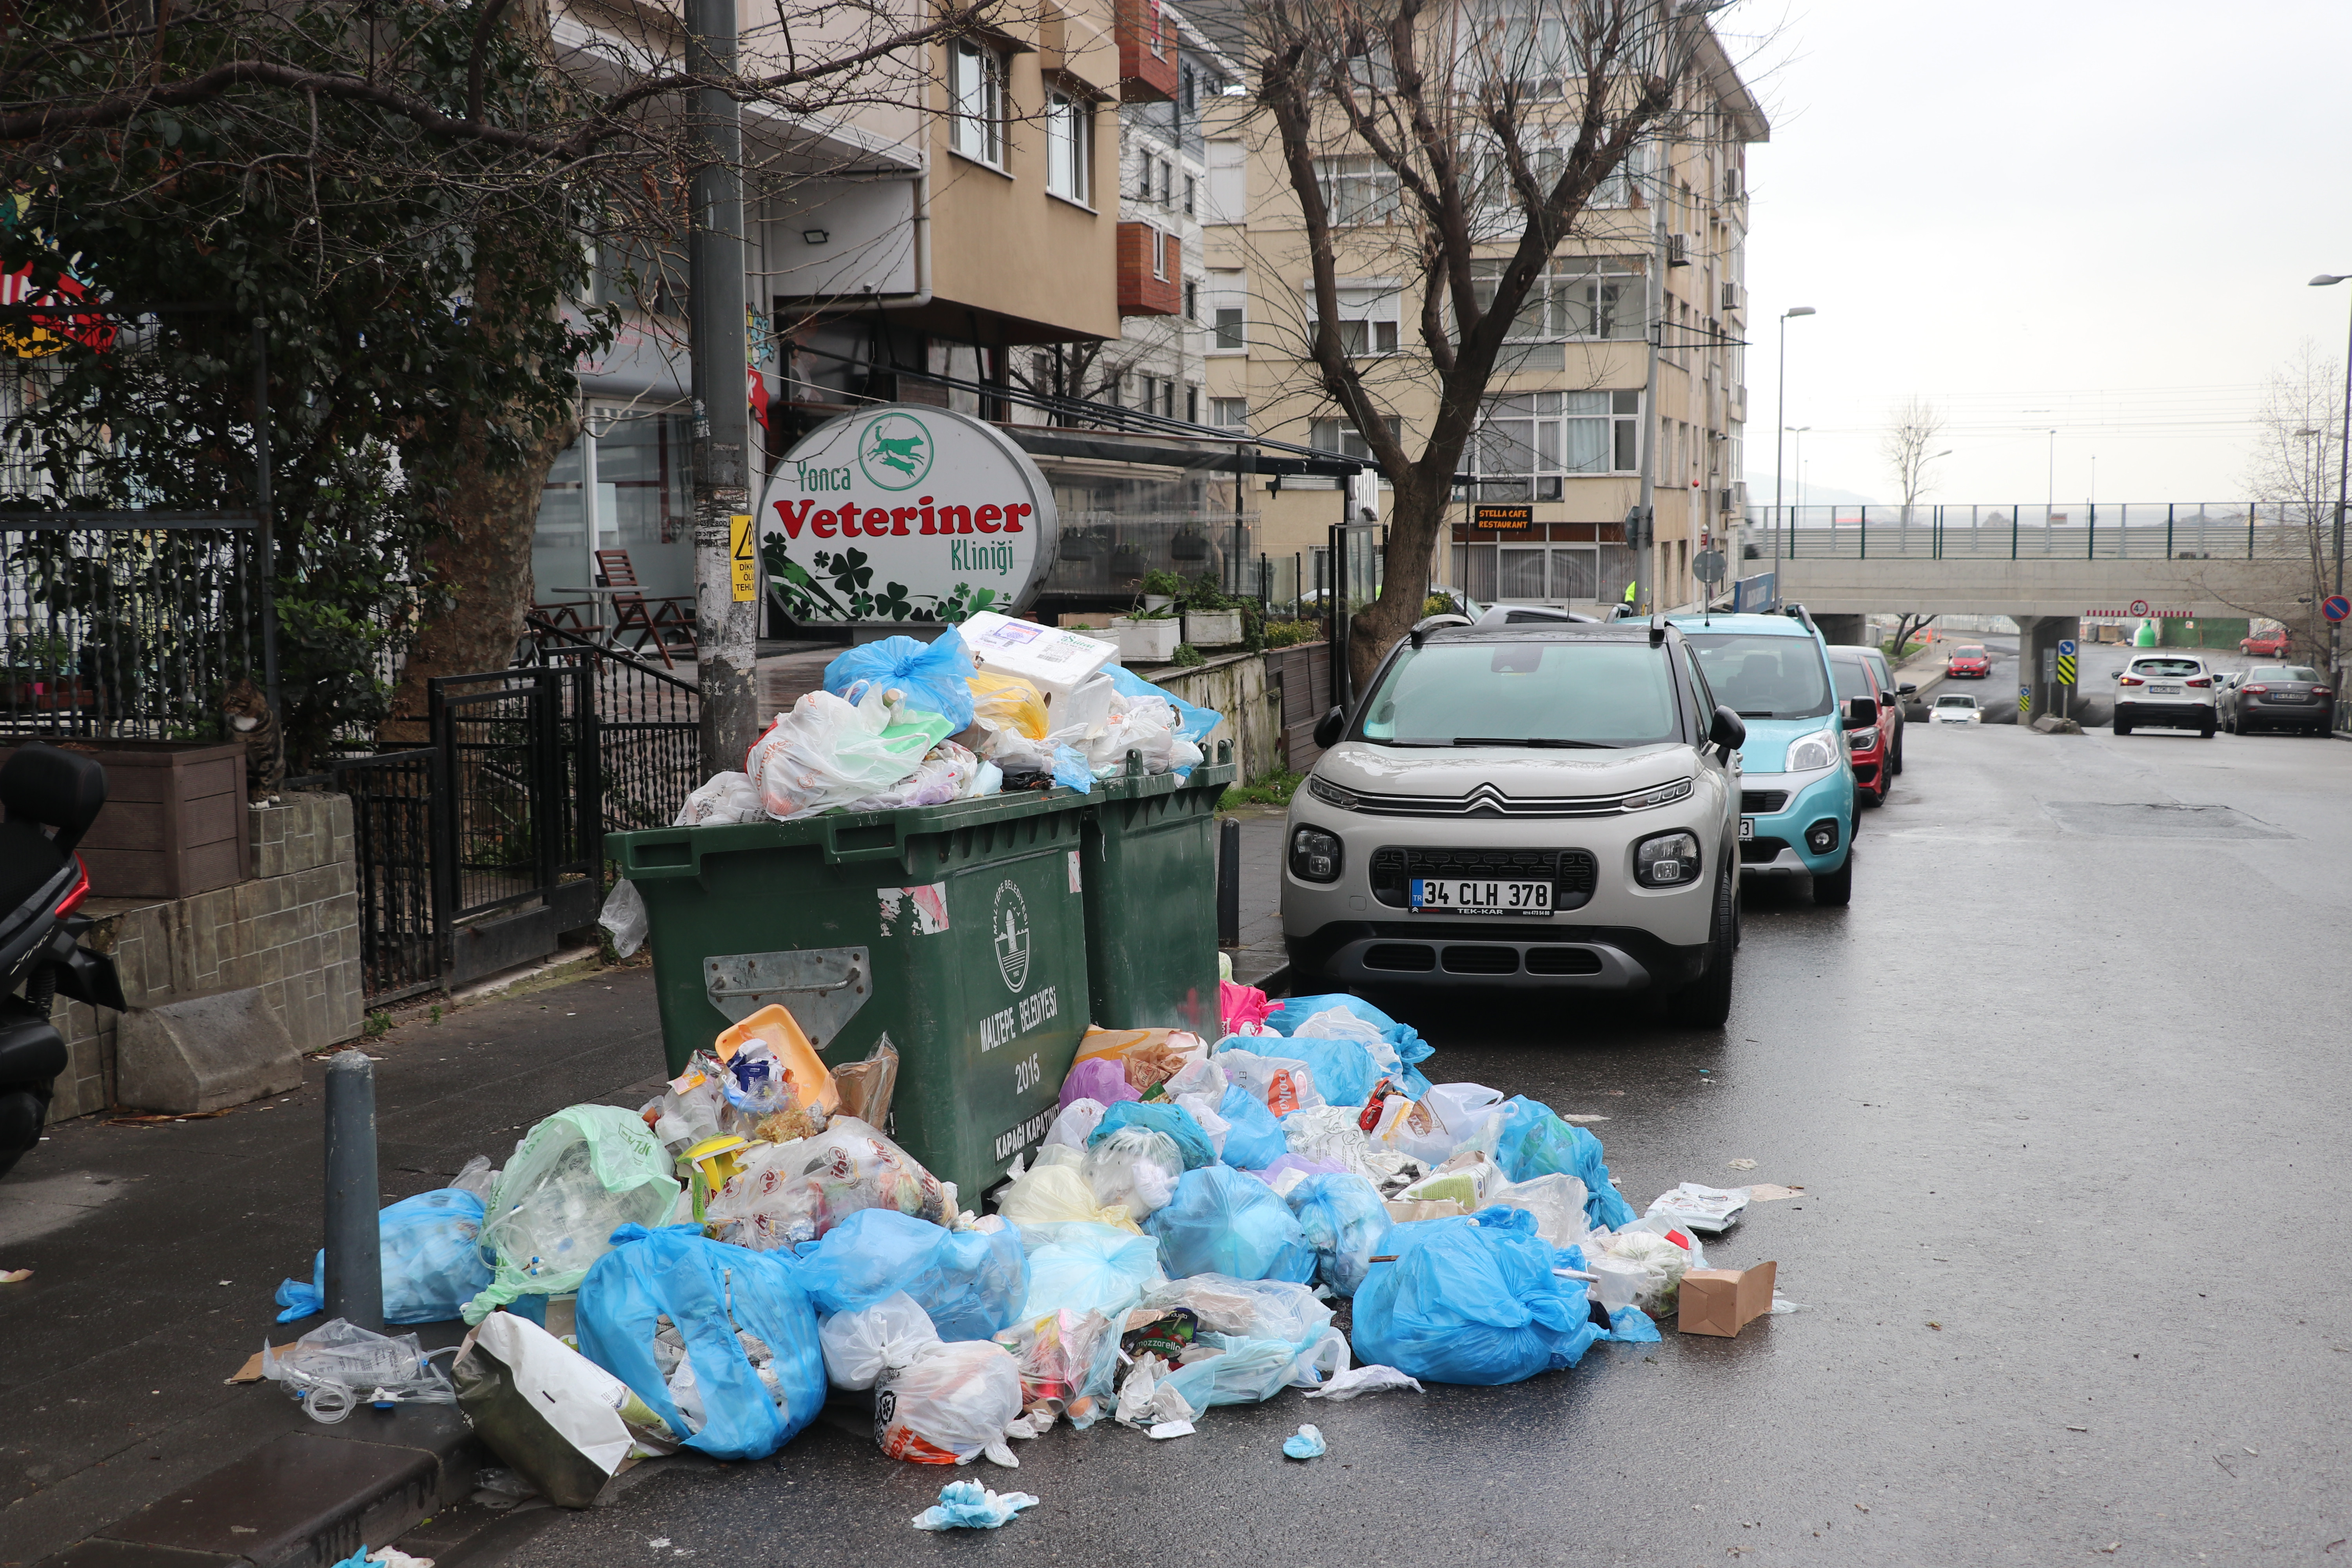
x=1956, y=701
x=1968, y=653
x=1854, y=677
x=1764, y=676
x=1563, y=693
x=2166, y=666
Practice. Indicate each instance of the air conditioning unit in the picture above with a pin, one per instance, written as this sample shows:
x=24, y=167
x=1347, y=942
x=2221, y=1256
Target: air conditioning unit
x=1679, y=251
x=1731, y=297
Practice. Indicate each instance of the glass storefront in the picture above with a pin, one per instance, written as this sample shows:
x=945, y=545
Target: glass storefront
x=626, y=480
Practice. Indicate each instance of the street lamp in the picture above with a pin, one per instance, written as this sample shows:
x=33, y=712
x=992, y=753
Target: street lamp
x=2342, y=472
x=1780, y=416
x=1799, y=431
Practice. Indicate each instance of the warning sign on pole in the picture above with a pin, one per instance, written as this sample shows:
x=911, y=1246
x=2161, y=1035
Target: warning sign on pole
x=744, y=559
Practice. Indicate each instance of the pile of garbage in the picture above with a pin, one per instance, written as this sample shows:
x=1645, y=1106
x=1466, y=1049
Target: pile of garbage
x=707, y=1271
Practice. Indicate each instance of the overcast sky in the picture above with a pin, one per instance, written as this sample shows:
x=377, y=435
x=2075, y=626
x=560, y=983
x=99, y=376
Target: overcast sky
x=2105, y=211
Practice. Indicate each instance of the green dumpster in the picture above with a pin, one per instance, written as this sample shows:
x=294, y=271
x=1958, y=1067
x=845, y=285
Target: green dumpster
x=1151, y=899
x=954, y=932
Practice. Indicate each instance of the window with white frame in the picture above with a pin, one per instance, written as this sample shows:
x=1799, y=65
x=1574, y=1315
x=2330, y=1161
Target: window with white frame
x=1339, y=437
x=1232, y=330
x=1528, y=443
x=1494, y=201
x=1069, y=147
x=976, y=92
x=1525, y=44
x=1368, y=319
x=1230, y=413
x=1228, y=189
x=1575, y=297
x=1159, y=254
x=1358, y=188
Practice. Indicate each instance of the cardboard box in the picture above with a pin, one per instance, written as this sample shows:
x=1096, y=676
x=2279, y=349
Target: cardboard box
x=1723, y=1301
x=1054, y=661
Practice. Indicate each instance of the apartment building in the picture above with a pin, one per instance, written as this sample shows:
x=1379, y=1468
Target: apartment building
x=1568, y=420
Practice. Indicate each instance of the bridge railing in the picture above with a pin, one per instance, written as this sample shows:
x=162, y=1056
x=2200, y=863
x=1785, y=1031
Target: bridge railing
x=2118, y=531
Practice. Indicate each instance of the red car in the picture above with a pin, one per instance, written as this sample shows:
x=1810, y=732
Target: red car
x=1873, y=748
x=2266, y=645
x=1968, y=663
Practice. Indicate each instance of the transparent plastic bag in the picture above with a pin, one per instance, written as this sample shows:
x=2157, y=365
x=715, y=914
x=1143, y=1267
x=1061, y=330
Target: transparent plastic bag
x=971, y=1282
x=1222, y=1222
x=1248, y=1309
x=1173, y=1121
x=574, y=1179
x=722, y=800
x=1008, y=702
x=790, y=1193
x=945, y=773
x=863, y=1344
x=624, y=918
x=827, y=751
x=1281, y=1083
x=1082, y=1267
x=1058, y=1194
x=1344, y=1220
x=1135, y=1168
x=1557, y=1202
x=1068, y=1363
x=339, y=1364
x=1076, y=1123
x=949, y=1404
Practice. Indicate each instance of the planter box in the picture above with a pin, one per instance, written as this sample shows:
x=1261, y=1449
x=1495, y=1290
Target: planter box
x=1212, y=628
x=175, y=822
x=1146, y=642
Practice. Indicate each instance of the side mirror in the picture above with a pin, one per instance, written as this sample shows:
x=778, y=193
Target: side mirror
x=1860, y=713
x=1330, y=727
x=1907, y=689
x=1726, y=730
x=2115, y=675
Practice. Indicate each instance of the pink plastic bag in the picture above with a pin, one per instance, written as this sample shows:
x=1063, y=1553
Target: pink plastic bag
x=1242, y=1004
x=1098, y=1077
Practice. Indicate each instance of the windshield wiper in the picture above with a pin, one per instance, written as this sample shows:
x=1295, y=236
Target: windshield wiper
x=1529, y=741
x=1757, y=713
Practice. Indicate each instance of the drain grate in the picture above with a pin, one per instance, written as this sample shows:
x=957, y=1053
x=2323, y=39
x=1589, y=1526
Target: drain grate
x=2140, y=819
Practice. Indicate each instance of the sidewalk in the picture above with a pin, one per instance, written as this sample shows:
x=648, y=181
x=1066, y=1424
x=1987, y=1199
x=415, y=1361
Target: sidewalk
x=1260, y=961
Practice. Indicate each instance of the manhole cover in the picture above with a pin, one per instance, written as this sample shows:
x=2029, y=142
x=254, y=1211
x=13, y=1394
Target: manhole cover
x=2134, y=819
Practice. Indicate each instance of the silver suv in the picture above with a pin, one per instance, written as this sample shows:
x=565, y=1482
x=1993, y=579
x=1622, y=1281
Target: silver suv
x=1536, y=806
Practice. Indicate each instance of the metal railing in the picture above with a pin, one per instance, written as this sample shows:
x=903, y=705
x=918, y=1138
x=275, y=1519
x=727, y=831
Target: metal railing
x=644, y=728
x=2117, y=531
x=397, y=798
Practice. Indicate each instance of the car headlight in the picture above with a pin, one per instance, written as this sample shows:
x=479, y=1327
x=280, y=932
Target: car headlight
x=1314, y=855
x=1331, y=794
x=1664, y=794
x=1809, y=751
x=1666, y=860
x=1861, y=739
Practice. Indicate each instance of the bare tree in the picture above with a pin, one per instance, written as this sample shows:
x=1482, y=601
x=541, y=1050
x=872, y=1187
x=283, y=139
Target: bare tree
x=1909, y=445
x=2293, y=468
x=1454, y=145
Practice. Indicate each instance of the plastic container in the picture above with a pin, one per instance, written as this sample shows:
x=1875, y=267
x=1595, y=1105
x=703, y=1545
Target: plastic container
x=956, y=933
x=1151, y=899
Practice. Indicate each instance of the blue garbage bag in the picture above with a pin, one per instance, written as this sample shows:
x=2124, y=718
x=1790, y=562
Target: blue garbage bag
x=1255, y=1140
x=711, y=1293
x=1411, y=1049
x=1160, y=1116
x=1222, y=1222
x=1344, y=1220
x=1535, y=1142
x=1344, y=1071
x=932, y=674
x=1193, y=722
x=432, y=1259
x=1472, y=1299
x=1072, y=770
x=1079, y=1267
x=972, y=1282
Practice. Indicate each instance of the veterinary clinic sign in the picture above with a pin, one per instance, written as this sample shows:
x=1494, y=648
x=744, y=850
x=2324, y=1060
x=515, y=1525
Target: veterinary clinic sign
x=905, y=513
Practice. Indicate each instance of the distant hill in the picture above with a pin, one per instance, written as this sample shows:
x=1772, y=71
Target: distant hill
x=1760, y=493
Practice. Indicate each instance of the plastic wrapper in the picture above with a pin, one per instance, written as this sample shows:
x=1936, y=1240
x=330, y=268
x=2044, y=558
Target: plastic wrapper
x=1472, y=1300
x=339, y=1365
x=1248, y=1309
x=722, y=800
x=826, y=751
x=1710, y=1211
x=1331, y=1133
x=1556, y=1200
x=1101, y=1079
x=1254, y=1138
x=624, y=918
x=694, y=1107
x=948, y=772
x=574, y=1179
x=968, y=1505
x=430, y=1247
x=1535, y=1142
x=866, y=1087
x=722, y=1343
x=861, y=1344
x=1282, y=1084
x=1241, y=1007
x=1009, y=703
x=1222, y=1222
x=933, y=677
x=791, y=1192
x=971, y=1282
x=950, y=1405
x=1134, y=1168
x=1171, y=1121
x=1076, y=1123
x=1068, y=1363
x=1083, y=1268
x=1344, y=1220
x=1059, y=1195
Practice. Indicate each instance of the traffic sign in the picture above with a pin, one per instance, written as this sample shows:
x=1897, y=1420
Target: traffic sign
x=2065, y=648
x=2024, y=698
x=2066, y=666
x=1707, y=566
x=2335, y=607
x=2139, y=606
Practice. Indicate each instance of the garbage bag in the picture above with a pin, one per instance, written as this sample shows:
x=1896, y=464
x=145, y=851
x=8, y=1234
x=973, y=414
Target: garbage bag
x=826, y=753
x=1246, y=1309
x=1648, y=1244
x=1082, y=1267
x=573, y=1180
x=1557, y=1202
x=430, y=1247
x=971, y=1282
x=1222, y=1222
x=934, y=676
x=735, y=1366
x=1288, y=1015
x=1102, y=1079
x=1472, y=1300
x=1281, y=1083
x=1076, y=1123
x=339, y=1365
x=1344, y=1220
x=624, y=918
x=1068, y=1363
x=1345, y=1073
x=554, y=1417
x=720, y=800
x=786, y=1194
x=863, y=1342
x=946, y=772
x=1010, y=703
x=1058, y=1195
x=1202, y=1109
x=949, y=1404
x=1147, y=1058
x=1240, y=1006
x=1535, y=1142
x=1247, y=1370
x=1134, y=1168
x=1292, y=1169
x=1331, y=1133
x=1173, y=1121
x=1253, y=1139
x=1191, y=723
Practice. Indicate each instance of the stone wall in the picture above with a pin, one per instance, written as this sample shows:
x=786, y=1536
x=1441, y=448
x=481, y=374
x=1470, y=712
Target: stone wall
x=292, y=929
x=1235, y=684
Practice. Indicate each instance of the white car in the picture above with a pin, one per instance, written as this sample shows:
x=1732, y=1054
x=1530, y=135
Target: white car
x=1959, y=708
x=2165, y=688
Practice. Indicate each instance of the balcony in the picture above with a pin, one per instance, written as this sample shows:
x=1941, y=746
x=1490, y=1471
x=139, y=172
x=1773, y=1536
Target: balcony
x=1150, y=271
x=1147, y=52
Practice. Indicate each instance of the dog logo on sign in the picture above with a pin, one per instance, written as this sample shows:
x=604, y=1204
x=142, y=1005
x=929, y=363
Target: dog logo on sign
x=1010, y=926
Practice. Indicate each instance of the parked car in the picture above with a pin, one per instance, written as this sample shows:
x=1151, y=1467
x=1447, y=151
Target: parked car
x=1956, y=708
x=2272, y=643
x=1548, y=805
x=2174, y=690
x=1969, y=662
x=1870, y=748
x=1892, y=693
x=2292, y=697
x=1797, y=792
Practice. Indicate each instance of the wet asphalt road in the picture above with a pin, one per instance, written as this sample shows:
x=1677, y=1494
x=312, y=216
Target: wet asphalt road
x=2064, y=1090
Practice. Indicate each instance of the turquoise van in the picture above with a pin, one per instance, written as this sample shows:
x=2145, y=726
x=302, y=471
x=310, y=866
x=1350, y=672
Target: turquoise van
x=1796, y=785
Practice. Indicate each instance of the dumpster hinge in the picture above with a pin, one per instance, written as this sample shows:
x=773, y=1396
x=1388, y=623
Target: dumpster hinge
x=821, y=987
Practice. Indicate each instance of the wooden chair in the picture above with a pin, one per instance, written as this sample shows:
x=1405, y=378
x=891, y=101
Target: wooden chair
x=658, y=620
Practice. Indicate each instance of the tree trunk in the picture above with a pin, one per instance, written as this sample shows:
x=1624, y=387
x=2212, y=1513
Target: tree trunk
x=1417, y=518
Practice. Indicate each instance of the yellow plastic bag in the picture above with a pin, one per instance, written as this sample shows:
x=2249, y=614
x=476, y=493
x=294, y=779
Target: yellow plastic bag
x=1054, y=1195
x=1008, y=702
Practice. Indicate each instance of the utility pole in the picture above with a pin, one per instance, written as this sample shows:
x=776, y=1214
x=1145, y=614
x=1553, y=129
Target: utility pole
x=726, y=624
x=1641, y=522
x=1779, y=446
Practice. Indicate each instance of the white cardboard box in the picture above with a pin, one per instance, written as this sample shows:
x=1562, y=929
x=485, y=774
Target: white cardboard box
x=1051, y=658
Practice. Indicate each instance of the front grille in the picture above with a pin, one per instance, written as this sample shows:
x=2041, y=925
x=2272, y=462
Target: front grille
x=1489, y=801
x=1571, y=872
x=1407, y=957
x=1481, y=960
x=1761, y=851
x=1564, y=961
x=1762, y=802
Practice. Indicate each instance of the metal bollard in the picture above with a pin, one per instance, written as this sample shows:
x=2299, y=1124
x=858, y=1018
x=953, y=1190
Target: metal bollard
x=1229, y=883
x=354, y=1263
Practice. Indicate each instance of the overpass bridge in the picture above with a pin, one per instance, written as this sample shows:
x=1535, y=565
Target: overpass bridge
x=2046, y=569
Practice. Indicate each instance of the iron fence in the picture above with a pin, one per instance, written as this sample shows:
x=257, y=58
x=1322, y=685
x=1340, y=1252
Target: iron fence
x=397, y=800
x=2118, y=531
x=642, y=725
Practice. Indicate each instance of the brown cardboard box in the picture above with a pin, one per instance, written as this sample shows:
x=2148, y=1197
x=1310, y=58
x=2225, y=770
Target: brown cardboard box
x=1725, y=1301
